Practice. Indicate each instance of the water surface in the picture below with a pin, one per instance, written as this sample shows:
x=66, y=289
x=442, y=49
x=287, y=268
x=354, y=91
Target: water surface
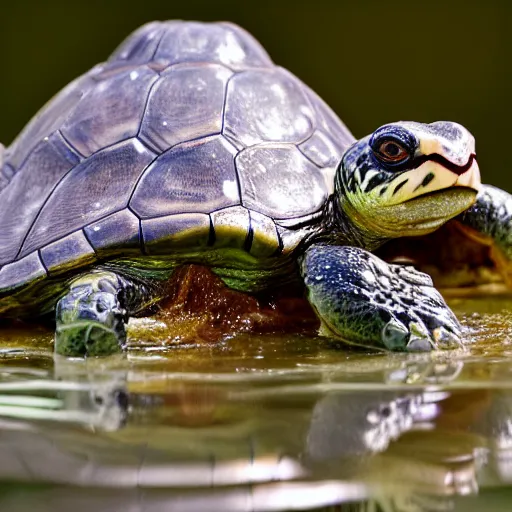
x=259, y=423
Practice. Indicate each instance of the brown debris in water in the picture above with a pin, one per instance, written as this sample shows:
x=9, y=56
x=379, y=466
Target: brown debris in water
x=201, y=308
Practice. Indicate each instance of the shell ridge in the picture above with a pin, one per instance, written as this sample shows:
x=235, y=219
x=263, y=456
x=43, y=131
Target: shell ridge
x=144, y=110
x=157, y=46
x=224, y=103
x=141, y=232
x=237, y=174
x=67, y=141
x=137, y=181
x=306, y=155
x=249, y=238
x=87, y=238
x=40, y=256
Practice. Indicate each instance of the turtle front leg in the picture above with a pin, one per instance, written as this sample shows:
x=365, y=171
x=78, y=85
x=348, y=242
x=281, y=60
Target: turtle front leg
x=489, y=221
x=364, y=301
x=91, y=317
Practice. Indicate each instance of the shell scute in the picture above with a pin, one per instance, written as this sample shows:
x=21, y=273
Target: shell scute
x=118, y=233
x=231, y=227
x=174, y=232
x=186, y=103
x=111, y=111
x=14, y=275
x=266, y=106
x=194, y=177
x=22, y=200
x=67, y=253
x=98, y=186
x=277, y=180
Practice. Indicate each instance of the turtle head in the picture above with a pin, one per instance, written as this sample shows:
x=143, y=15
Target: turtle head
x=407, y=179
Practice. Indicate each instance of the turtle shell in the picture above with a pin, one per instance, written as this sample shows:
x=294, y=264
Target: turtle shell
x=188, y=135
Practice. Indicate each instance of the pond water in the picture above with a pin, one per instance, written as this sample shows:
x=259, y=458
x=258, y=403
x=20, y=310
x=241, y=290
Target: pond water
x=259, y=423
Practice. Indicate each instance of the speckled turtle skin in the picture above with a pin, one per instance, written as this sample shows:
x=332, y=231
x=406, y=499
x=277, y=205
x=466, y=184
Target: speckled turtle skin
x=243, y=153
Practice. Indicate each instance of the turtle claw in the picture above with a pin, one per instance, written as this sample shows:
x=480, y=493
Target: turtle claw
x=426, y=330
x=420, y=319
x=431, y=325
x=394, y=334
x=368, y=302
x=446, y=339
x=419, y=345
x=417, y=338
x=420, y=339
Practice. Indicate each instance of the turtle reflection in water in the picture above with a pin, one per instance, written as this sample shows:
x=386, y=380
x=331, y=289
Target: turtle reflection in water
x=190, y=146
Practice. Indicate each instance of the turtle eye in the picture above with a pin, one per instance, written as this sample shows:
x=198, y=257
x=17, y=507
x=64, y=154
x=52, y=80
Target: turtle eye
x=391, y=151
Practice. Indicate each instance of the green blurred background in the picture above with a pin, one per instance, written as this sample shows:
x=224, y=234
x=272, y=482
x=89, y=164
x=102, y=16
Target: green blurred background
x=372, y=61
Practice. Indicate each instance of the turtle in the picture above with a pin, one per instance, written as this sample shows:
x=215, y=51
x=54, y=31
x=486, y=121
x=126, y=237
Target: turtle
x=189, y=145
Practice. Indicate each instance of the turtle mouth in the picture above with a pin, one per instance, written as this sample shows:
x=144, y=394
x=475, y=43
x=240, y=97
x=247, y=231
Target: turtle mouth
x=447, y=164
x=464, y=189
x=426, y=212
x=432, y=173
